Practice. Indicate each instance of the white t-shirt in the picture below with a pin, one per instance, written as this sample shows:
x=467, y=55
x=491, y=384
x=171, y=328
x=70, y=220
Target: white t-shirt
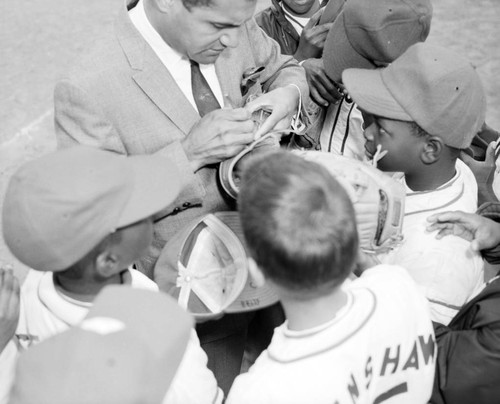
x=447, y=270
x=380, y=345
x=45, y=311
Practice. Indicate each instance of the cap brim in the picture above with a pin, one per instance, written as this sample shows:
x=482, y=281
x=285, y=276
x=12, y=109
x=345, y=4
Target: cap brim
x=338, y=53
x=331, y=11
x=367, y=89
x=156, y=185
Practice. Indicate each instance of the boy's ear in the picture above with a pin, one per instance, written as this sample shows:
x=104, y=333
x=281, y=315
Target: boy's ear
x=255, y=272
x=432, y=150
x=106, y=264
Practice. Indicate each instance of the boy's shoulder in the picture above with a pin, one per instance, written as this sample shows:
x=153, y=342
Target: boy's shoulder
x=365, y=342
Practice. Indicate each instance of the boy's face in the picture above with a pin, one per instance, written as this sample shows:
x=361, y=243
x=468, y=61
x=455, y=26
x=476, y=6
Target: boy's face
x=134, y=243
x=300, y=6
x=396, y=138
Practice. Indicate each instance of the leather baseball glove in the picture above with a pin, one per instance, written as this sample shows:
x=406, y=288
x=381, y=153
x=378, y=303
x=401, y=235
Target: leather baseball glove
x=378, y=199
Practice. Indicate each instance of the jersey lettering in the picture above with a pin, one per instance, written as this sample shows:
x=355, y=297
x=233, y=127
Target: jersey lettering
x=360, y=383
x=412, y=361
x=353, y=389
x=390, y=360
x=368, y=372
x=428, y=348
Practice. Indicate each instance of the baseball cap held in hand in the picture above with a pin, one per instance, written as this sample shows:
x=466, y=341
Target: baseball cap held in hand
x=205, y=266
x=429, y=85
x=126, y=350
x=59, y=207
x=370, y=33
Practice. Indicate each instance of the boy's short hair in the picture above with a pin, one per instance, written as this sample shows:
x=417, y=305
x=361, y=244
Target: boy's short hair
x=298, y=222
x=429, y=85
x=61, y=206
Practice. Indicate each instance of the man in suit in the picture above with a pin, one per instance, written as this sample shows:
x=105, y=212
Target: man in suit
x=133, y=94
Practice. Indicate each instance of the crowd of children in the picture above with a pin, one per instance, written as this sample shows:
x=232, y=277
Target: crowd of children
x=417, y=324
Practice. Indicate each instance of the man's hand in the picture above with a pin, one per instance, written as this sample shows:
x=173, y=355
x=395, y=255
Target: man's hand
x=283, y=102
x=323, y=90
x=482, y=232
x=219, y=135
x=312, y=38
x=9, y=305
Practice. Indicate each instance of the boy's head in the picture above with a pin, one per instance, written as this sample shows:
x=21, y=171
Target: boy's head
x=298, y=223
x=126, y=350
x=428, y=102
x=373, y=33
x=85, y=204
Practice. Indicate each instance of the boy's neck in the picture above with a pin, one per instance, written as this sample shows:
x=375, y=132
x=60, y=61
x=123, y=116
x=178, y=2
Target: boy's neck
x=84, y=290
x=431, y=177
x=306, y=314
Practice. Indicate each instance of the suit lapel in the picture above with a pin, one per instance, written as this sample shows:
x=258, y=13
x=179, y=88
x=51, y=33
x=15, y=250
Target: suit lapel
x=153, y=77
x=229, y=79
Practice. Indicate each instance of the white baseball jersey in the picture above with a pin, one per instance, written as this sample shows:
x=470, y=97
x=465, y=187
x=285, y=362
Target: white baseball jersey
x=380, y=347
x=447, y=270
x=342, y=131
x=46, y=312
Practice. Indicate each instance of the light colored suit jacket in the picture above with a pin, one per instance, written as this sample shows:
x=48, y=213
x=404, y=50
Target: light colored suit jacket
x=121, y=98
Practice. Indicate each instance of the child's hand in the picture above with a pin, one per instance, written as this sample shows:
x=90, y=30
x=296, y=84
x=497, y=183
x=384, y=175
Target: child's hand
x=482, y=232
x=9, y=304
x=481, y=169
x=323, y=90
x=312, y=38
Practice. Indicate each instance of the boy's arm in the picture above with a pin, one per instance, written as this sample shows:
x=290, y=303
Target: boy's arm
x=9, y=317
x=9, y=306
x=312, y=38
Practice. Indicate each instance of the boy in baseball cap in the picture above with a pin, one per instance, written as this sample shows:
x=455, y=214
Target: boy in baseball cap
x=80, y=217
x=367, y=34
x=124, y=351
x=424, y=108
x=341, y=341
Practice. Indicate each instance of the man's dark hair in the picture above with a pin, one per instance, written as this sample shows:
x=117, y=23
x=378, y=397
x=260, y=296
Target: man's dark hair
x=298, y=222
x=189, y=4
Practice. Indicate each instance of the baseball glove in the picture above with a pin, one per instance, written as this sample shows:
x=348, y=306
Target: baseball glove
x=378, y=199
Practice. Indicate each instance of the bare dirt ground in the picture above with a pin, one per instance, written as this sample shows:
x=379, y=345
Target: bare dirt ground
x=40, y=39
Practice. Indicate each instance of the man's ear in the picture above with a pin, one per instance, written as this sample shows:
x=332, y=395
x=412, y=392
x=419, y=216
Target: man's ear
x=258, y=278
x=432, y=149
x=163, y=5
x=106, y=264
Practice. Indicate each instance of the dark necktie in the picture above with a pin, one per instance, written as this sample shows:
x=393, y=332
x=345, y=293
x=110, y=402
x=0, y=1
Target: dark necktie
x=203, y=96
